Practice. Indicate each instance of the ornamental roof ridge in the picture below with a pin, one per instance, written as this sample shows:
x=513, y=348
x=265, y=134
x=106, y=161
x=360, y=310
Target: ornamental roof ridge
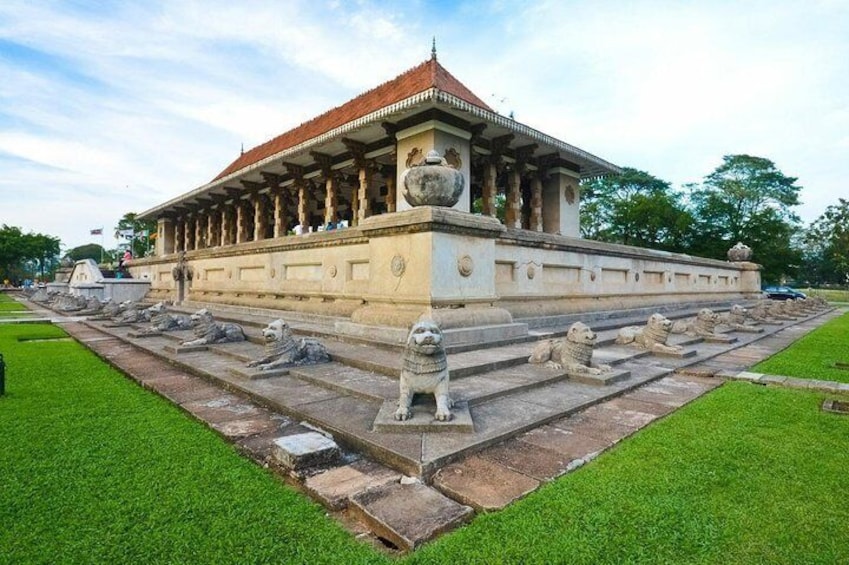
x=423, y=77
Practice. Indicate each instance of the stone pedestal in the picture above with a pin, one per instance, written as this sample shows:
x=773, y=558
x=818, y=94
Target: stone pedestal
x=437, y=263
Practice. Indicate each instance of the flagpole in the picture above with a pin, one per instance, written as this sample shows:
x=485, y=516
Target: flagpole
x=102, y=243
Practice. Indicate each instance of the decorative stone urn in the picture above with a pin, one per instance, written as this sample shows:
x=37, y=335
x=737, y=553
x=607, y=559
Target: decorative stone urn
x=433, y=183
x=739, y=253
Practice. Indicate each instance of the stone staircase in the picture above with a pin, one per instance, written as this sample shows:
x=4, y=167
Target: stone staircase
x=502, y=394
x=527, y=424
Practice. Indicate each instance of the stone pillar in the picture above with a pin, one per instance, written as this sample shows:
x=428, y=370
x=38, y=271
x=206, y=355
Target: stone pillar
x=561, y=199
x=241, y=222
x=211, y=237
x=198, y=229
x=164, y=236
x=223, y=218
x=389, y=176
x=331, y=204
x=513, y=213
x=490, y=175
x=188, y=231
x=536, y=204
x=303, y=206
x=179, y=241
x=280, y=220
x=364, y=208
x=260, y=220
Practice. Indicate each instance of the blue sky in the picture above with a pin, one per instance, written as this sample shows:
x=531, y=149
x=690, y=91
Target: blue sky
x=113, y=107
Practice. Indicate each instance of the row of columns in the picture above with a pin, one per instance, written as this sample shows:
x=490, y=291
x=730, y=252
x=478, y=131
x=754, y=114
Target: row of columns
x=249, y=219
x=513, y=192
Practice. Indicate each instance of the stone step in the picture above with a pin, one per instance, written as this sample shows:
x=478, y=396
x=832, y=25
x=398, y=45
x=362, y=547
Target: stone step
x=408, y=515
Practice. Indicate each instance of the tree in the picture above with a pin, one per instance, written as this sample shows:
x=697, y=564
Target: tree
x=136, y=233
x=634, y=208
x=748, y=199
x=25, y=255
x=88, y=251
x=827, y=245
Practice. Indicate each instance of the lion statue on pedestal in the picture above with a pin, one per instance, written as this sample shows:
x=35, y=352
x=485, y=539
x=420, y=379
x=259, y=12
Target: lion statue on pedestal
x=162, y=320
x=282, y=350
x=209, y=332
x=736, y=320
x=424, y=370
x=652, y=336
x=703, y=325
x=573, y=353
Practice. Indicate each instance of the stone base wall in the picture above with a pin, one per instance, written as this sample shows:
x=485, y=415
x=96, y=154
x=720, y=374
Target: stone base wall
x=442, y=263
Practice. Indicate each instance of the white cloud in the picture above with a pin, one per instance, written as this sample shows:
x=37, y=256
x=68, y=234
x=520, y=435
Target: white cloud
x=119, y=107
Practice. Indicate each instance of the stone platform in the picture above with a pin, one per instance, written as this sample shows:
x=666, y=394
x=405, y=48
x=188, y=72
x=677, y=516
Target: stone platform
x=530, y=424
x=498, y=394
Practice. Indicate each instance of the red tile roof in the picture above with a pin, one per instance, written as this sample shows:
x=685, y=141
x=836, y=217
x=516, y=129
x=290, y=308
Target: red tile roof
x=425, y=76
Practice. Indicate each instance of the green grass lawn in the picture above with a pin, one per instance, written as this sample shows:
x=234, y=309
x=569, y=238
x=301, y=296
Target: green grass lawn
x=835, y=296
x=95, y=469
x=9, y=305
x=747, y=474
x=814, y=356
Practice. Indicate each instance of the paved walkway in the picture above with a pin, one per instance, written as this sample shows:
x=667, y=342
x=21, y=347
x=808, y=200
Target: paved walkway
x=486, y=480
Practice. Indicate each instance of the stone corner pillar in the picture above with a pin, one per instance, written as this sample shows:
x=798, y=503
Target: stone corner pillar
x=165, y=232
x=561, y=200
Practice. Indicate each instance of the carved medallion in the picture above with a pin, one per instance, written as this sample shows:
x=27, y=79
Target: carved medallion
x=453, y=158
x=592, y=275
x=532, y=271
x=273, y=273
x=398, y=265
x=331, y=271
x=465, y=265
x=414, y=157
x=637, y=277
x=569, y=194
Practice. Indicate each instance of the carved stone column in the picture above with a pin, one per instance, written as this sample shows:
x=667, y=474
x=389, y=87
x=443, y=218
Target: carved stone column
x=355, y=205
x=389, y=176
x=223, y=238
x=241, y=222
x=260, y=218
x=303, y=205
x=188, y=233
x=513, y=213
x=536, y=204
x=211, y=236
x=179, y=230
x=280, y=218
x=331, y=200
x=364, y=208
x=198, y=229
x=489, y=190
x=331, y=186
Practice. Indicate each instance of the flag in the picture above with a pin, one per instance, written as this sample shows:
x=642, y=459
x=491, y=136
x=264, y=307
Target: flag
x=98, y=231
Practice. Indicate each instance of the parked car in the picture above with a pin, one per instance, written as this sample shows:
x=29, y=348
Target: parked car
x=783, y=293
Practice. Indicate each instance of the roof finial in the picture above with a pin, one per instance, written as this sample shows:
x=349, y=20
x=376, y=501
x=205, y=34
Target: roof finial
x=243, y=148
x=433, y=49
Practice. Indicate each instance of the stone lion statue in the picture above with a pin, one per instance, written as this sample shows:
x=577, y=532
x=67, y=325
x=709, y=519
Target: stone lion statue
x=760, y=313
x=161, y=320
x=282, y=350
x=703, y=325
x=130, y=313
x=652, y=336
x=735, y=319
x=209, y=332
x=93, y=306
x=573, y=353
x=424, y=370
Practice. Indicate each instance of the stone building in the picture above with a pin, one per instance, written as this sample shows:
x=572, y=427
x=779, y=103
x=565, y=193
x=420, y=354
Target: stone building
x=255, y=235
